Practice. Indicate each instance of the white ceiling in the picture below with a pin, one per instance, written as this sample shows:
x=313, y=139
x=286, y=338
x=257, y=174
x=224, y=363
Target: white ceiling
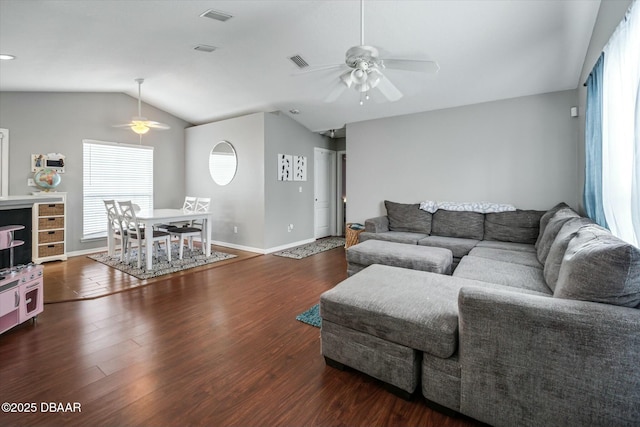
x=487, y=50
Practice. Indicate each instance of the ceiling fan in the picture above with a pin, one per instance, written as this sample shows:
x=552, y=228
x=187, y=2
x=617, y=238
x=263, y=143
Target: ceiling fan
x=365, y=70
x=139, y=124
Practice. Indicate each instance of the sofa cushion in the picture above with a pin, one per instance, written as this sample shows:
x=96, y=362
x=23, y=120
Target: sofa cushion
x=459, y=247
x=515, y=257
x=559, y=247
x=600, y=267
x=544, y=220
x=506, y=245
x=415, y=257
x=520, y=226
x=504, y=273
x=393, y=236
x=468, y=225
x=551, y=231
x=408, y=217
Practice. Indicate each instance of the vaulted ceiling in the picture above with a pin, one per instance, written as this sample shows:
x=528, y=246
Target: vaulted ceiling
x=487, y=50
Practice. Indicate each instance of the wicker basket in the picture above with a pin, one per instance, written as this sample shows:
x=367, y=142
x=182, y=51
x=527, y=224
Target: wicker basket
x=351, y=236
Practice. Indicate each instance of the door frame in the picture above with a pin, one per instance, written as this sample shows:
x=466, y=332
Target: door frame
x=332, y=188
x=4, y=162
x=340, y=204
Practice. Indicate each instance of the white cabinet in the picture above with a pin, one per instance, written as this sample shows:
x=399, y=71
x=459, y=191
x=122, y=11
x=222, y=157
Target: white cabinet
x=49, y=230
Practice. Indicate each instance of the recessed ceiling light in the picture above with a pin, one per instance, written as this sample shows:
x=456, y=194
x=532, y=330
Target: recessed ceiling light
x=6, y=57
x=217, y=15
x=294, y=111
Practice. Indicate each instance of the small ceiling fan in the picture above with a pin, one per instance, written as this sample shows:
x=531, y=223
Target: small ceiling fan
x=365, y=70
x=139, y=124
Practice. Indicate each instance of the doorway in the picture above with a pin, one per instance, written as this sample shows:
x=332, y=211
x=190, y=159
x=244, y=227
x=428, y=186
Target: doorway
x=324, y=162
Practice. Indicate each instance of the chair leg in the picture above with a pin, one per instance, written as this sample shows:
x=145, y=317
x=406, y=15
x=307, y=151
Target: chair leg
x=181, y=250
x=139, y=254
x=167, y=243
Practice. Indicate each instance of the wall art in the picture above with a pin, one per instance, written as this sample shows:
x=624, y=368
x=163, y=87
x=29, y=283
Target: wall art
x=285, y=167
x=300, y=168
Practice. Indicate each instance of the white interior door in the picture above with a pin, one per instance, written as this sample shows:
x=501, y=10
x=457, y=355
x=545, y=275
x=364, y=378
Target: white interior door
x=324, y=162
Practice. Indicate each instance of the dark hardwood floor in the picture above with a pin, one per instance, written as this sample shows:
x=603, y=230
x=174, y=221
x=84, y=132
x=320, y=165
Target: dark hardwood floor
x=215, y=347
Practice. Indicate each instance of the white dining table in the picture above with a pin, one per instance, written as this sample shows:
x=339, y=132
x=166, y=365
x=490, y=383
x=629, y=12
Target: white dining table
x=148, y=218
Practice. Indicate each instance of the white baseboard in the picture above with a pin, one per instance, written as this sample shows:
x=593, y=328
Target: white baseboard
x=262, y=251
x=86, y=251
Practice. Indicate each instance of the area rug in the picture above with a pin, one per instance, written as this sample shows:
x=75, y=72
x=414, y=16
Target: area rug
x=313, y=248
x=311, y=316
x=161, y=266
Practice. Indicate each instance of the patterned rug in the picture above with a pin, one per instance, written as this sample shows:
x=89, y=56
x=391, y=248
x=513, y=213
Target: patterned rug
x=161, y=266
x=313, y=248
x=311, y=316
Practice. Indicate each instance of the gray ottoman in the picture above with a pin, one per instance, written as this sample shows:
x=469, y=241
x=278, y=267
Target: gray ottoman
x=414, y=257
x=380, y=320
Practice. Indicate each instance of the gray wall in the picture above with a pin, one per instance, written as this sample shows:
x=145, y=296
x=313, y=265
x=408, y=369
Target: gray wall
x=255, y=201
x=520, y=151
x=241, y=202
x=284, y=202
x=58, y=122
x=609, y=16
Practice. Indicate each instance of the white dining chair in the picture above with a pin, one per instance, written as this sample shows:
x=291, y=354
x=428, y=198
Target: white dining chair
x=115, y=223
x=189, y=205
x=194, y=229
x=137, y=234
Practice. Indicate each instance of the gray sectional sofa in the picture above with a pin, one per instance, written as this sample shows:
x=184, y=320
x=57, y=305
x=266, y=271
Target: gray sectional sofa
x=539, y=323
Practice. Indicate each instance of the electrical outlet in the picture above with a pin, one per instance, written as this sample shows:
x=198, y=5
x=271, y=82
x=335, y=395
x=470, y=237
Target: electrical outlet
x=31, y=182
x=235, y=228
x=289, y=228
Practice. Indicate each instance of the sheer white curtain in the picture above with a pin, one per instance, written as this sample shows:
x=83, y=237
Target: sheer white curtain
x=620, y=153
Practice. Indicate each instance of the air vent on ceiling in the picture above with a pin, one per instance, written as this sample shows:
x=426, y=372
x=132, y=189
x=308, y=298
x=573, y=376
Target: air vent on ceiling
x=299, y=61
x=217, y=15
x=205, y=48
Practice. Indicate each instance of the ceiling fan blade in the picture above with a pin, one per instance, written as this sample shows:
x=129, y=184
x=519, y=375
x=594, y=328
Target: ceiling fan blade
x=336, y=92
x=417, y=65
x=317, y=68
x=127, y=125
x=388, y=89
x=157, y=125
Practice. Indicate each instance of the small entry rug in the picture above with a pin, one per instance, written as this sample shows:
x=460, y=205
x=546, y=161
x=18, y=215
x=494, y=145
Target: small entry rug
x=311, y=316
x=161, y=266
x=313, y=248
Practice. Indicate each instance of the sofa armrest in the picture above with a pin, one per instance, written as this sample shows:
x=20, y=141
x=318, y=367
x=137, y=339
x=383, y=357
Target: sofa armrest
x=378, y=224
x=537, y=360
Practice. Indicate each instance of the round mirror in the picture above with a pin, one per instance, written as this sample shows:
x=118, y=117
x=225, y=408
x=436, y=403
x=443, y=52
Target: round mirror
x=223, y=163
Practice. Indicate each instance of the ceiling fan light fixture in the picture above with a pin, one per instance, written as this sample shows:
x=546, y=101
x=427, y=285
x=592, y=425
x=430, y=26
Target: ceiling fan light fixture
x=140, y=127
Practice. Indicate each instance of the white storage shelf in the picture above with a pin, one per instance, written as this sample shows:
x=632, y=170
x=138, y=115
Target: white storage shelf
x=48, y=233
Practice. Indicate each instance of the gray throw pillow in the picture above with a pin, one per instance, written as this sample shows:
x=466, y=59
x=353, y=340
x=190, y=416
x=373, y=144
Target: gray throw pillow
x=519, y=226
x=551, y=231
x=559, y=247
x=408, y=217
x=544, y=220
x=463, y=224
x=599, y=267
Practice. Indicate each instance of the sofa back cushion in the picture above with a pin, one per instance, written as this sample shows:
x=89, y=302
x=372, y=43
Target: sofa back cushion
x=468, y=225
x=544, y=220
x=599, y=267
x=408, y=217
x=551, y=231
x=558, y=248
x=519, y=226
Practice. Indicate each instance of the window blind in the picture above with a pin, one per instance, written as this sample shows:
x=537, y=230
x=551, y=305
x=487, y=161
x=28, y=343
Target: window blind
x=113, y=171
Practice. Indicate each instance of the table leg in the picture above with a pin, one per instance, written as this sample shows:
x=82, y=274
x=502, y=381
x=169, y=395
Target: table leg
x=148, y=239
x=110, y=240
x=207, y=250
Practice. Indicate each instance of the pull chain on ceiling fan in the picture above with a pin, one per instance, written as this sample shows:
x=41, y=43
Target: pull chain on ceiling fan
x=140, y=124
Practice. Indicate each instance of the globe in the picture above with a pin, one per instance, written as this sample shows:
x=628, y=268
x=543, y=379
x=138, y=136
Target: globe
x=47, y=179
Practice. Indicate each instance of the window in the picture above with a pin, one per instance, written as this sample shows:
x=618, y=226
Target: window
x=113, y=171
x=612, y=187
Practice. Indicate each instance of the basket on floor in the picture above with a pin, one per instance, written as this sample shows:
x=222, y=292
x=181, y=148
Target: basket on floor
x=351, y=234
